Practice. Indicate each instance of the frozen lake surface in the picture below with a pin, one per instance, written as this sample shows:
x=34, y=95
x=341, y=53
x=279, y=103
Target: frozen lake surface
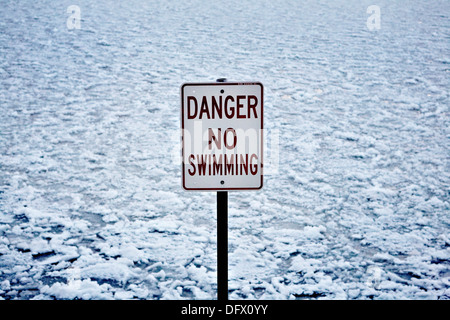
x=357, y=206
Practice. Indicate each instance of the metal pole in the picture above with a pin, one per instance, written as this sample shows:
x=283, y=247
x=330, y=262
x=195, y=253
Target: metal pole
x=222, y=241
x=222, y=245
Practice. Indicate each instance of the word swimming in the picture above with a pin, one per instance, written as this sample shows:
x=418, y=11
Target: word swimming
x=240, y=107
x=223, y=164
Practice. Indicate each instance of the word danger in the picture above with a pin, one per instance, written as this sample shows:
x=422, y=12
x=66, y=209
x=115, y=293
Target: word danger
x=223, y=164
x=240, y=107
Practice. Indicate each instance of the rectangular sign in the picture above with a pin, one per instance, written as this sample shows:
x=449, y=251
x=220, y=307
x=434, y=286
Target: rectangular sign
x=222, y=136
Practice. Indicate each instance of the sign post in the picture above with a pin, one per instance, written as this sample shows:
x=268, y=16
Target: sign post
x=222, y=149
x=222, y=241
x=222, y=245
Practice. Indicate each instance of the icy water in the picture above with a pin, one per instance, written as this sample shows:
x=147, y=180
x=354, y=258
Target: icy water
x=357, y=206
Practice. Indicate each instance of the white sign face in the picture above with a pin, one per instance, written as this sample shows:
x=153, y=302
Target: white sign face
x=222, y=136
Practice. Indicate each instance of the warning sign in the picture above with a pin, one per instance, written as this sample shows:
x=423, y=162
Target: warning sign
x=222, y=136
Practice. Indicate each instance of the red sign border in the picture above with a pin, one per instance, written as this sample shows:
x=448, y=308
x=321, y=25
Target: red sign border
x=182, y=132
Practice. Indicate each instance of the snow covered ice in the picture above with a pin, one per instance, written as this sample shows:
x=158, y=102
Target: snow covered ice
x=91, y=204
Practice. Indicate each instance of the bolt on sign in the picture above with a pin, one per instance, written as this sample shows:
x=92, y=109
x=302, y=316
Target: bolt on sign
x=222, y=136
